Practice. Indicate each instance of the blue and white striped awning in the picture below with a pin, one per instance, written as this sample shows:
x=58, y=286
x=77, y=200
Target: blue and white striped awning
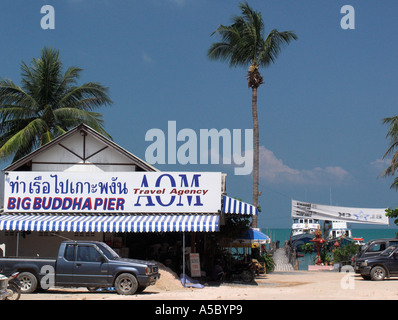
x=234, y=206
x=110, y=223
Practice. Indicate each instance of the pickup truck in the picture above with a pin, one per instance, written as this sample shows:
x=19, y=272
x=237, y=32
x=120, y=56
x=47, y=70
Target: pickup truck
x=91, y=264
x=371, y=249
x=384, y=265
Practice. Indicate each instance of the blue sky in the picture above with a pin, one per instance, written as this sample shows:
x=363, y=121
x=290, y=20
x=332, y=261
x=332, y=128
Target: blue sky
x=320, y=109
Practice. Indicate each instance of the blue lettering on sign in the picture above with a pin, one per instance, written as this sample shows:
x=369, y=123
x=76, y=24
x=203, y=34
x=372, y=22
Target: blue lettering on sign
x=195, y=182
x=157, y=185
x=67, y=203
x=144, y=184
x=184, y=194
x=68, y=193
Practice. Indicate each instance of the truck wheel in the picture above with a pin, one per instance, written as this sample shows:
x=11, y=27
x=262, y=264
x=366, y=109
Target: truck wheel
x=378, y=273
x=247, y=276
x=28, y=282
x=126, y=284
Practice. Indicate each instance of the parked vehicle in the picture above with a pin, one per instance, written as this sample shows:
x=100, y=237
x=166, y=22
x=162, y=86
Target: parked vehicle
x=14, y=287
x=371, y=249
x=384, y=265
x=9, y=287
x=91, y=264
x=3, y=287
x=240, y=272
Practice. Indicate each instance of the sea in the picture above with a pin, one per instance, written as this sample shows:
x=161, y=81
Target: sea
x=367, y=234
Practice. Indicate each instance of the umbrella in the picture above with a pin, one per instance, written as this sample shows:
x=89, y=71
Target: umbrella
x=252, y=236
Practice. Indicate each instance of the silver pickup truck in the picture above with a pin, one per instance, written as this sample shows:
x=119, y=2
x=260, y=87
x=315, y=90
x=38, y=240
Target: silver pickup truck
x=89, y=264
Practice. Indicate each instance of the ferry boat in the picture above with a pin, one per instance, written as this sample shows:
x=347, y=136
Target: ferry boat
x=303, y=231
x=336, y=230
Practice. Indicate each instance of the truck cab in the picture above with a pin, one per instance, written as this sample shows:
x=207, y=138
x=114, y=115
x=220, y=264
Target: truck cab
x=95, y=264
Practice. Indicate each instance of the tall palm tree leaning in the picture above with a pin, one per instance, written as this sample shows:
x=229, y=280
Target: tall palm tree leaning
x=47, y=104
x=243, y=44
x=391, y=170
x=393, y=135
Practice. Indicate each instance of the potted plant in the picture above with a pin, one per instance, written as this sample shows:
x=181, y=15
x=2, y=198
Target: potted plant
x=328, y=259
x=269, y=263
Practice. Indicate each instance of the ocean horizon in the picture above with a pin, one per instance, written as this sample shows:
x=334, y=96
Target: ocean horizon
x=283, y=234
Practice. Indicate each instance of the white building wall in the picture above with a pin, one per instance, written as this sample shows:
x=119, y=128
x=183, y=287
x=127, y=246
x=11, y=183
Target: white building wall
x=67, y=155
x=82, y=154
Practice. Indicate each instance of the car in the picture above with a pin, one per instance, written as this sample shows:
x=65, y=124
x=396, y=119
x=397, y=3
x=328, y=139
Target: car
x=384, y=265
x=371, y=249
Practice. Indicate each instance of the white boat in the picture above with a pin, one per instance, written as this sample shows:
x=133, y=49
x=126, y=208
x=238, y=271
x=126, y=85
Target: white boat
x=304, y=226
x=303, y=231
x=335, y=229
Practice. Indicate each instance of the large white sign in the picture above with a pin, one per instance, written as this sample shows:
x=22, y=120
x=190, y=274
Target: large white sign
x=302, y=209
x=170, y=192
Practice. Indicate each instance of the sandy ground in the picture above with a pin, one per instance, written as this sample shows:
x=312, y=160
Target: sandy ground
x=296, y=285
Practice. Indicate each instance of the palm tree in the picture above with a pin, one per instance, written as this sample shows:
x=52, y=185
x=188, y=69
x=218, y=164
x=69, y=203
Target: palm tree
x=393, y=135
x=243, y=44
x=47, y=104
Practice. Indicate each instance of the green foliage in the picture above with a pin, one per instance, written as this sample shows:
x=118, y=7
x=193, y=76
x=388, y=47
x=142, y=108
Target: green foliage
x=244, y=43
x=392, y=134
x=269, y=262
x=307, y=247
x=267, y=258
x=345, y=252
x=328, y=257
x=393, y=213
x=47, y=104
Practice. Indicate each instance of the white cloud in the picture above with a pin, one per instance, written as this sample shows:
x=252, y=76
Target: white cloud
x=274, y=170
x=381, y=164
x=271, y=167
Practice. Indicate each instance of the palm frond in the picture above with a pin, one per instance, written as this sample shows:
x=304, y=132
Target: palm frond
x=242, y=43
x=23, y=141
x=273, y=45
x=392, y=134
x=86, y=97
x=48, y=103
x=71, y=117
x=11, y=94
x=69, y=80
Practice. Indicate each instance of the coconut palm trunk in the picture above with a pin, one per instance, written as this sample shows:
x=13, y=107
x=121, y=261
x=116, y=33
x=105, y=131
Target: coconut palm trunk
x=243, y=43
x=256, y=154
x=254, y=80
